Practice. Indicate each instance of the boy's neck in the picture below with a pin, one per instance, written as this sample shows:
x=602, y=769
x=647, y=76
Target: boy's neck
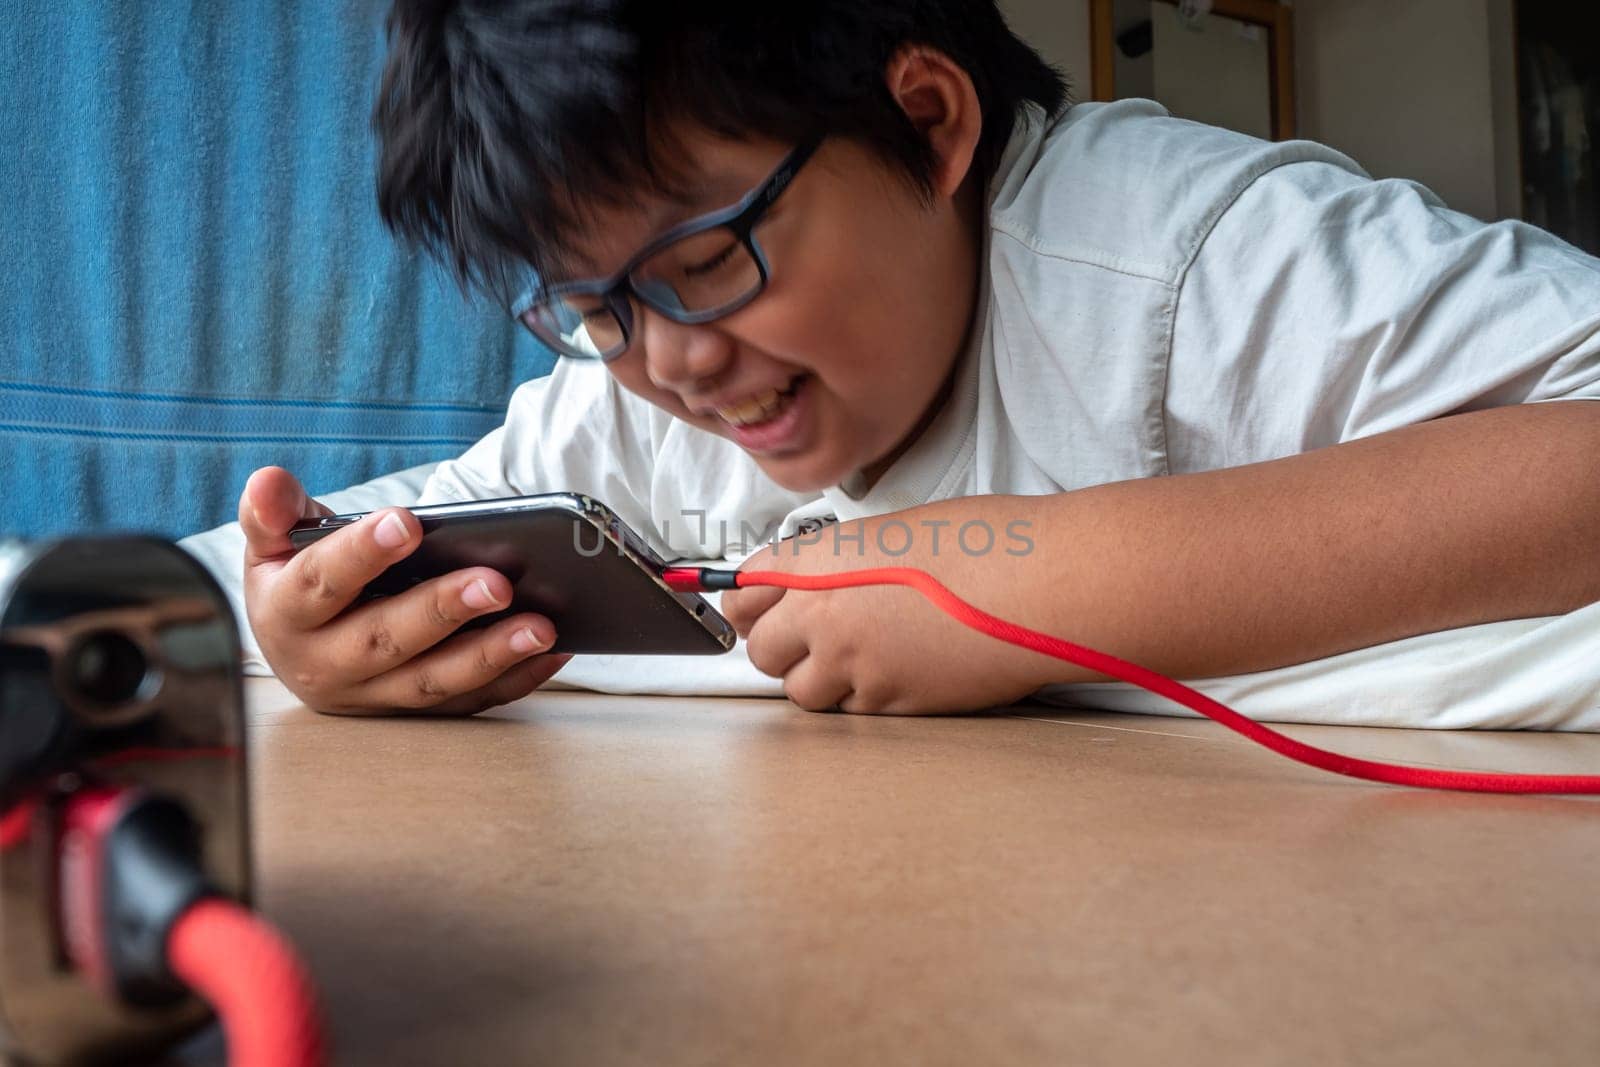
x=869, y=475
x=970, y=202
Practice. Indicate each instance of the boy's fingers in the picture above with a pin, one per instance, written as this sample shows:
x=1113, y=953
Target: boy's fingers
x=742, y=607
x=511, y=686
x=774, y=648
x=324, y=579
x=273, y=501
x=381, y=636
x=815, y=686
x=460, y=669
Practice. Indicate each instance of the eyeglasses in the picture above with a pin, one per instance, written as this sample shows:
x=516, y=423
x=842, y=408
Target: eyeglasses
x=697, y=271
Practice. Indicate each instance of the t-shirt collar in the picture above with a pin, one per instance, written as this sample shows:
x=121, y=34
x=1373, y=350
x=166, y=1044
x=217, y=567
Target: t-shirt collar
x=944, y=447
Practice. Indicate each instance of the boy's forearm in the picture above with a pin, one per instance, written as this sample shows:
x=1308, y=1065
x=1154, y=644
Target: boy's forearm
x=1468, y=519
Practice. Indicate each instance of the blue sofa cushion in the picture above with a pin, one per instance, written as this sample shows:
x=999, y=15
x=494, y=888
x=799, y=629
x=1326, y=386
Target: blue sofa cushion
x=195, y=281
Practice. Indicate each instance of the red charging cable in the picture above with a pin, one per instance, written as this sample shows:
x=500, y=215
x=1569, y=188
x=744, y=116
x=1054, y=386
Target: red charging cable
x=251, y=977
x=704, y=579
x=138, y=922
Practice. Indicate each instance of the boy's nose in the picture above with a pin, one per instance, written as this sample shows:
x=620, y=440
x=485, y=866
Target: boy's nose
x=684, y=358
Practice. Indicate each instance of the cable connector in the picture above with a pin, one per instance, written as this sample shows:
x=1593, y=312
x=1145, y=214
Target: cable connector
x=138, y=919
x=130, y=865
x=699, y=579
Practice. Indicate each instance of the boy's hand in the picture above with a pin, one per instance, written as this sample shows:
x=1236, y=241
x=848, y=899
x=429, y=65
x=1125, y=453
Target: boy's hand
x=397, y=653
x=879, y=649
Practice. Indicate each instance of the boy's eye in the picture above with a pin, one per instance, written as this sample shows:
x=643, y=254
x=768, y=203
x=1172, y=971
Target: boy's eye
x=695, y=270
x=589, y=312
x=702, y=271
x=694, y=257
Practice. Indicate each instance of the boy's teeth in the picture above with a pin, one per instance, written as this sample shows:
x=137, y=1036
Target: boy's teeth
x=757, y=408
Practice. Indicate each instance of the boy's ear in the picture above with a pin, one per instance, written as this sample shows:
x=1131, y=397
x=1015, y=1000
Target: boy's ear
x=938, y=96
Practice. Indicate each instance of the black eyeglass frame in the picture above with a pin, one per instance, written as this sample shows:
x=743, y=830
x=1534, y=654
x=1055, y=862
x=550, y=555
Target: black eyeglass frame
x=741, y=219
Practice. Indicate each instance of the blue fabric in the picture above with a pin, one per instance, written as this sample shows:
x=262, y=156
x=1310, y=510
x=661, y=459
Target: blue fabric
x=193, y=278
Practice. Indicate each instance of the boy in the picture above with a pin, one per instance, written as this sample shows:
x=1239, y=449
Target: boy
x=1218, y=406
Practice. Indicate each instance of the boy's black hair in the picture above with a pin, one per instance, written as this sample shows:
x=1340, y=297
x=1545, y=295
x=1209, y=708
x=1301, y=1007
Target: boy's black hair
x=501, y=122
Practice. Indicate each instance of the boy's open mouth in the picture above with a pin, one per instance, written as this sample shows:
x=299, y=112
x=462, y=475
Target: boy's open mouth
x=770, y=422
x=763, y=407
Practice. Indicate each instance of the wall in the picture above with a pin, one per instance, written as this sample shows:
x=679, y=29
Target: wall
x=1059, y=29
x=1422, y=89
x=1410, y=89
x=1135, y=75
x=1503, y=99
x=1216, y=72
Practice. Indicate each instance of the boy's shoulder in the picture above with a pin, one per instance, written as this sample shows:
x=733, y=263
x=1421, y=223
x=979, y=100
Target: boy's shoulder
x=1127, y=186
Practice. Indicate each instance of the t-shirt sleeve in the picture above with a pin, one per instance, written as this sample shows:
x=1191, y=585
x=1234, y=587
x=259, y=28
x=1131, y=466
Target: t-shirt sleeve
x=573, y=430
x=1324, y=306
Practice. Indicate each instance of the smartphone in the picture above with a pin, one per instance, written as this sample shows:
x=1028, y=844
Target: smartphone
x=569, y=558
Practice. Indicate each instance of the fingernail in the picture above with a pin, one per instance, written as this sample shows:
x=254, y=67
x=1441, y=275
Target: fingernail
x=525, y=641
x=391, y=532
x=478, y=595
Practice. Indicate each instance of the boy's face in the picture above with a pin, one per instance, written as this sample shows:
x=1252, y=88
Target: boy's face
x=832, y=368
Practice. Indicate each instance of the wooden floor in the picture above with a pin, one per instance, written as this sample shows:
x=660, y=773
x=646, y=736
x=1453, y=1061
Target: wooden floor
x=591, y=879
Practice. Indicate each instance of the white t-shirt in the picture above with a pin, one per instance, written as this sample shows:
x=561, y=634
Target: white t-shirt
x=1161, y=297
